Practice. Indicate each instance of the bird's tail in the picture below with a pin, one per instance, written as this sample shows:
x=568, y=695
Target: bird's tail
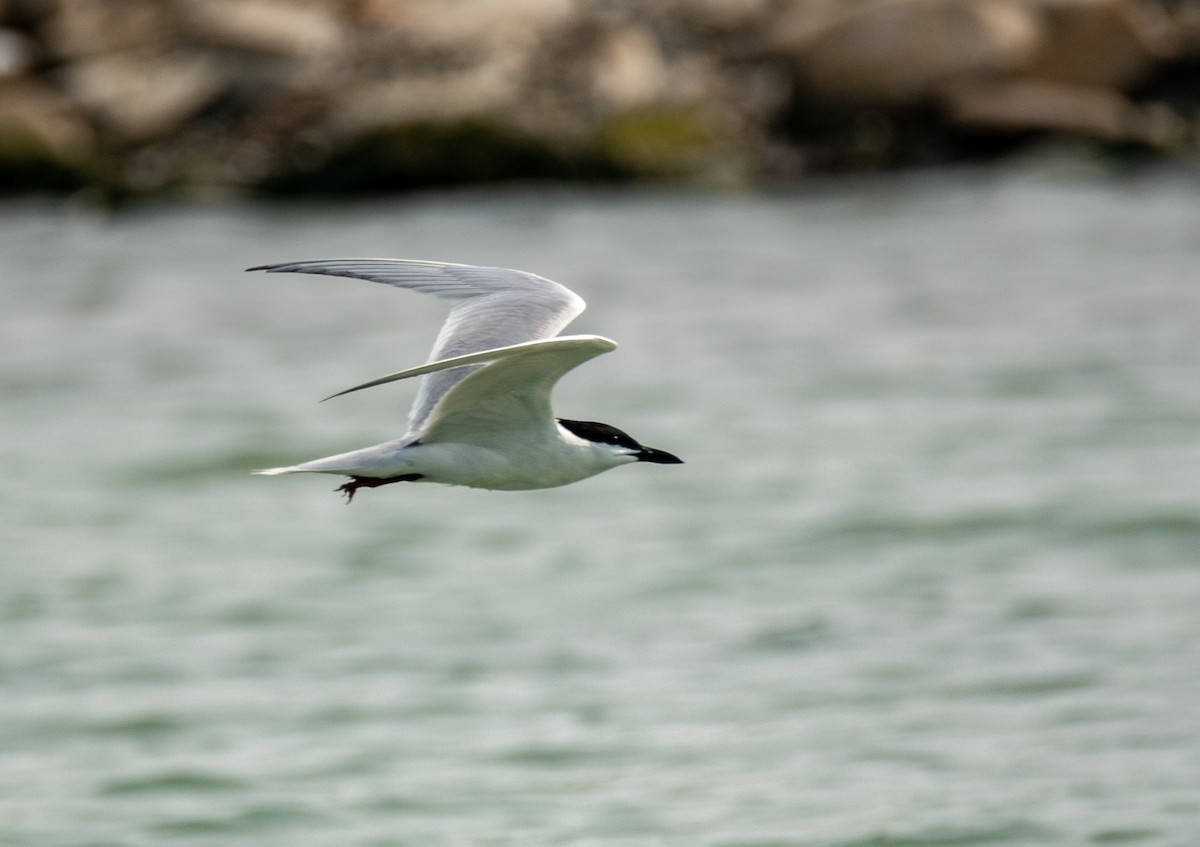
x=343, y=463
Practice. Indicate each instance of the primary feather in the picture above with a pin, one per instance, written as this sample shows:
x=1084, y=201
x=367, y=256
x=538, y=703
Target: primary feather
x=496, y=307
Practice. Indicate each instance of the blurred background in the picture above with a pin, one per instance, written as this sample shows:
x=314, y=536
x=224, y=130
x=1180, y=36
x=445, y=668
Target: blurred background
x=136, y=97
x=909, y=284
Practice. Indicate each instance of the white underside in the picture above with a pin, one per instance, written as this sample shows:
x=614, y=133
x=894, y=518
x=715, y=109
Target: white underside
x=513, y=465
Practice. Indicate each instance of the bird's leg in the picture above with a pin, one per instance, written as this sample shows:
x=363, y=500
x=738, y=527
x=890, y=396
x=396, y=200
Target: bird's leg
x=357, y=482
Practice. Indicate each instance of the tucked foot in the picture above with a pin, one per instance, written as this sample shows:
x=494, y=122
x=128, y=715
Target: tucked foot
x=357, y=482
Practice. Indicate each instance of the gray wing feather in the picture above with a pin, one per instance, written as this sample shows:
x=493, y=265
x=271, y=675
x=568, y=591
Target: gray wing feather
x=494, y=307
x=590, y=342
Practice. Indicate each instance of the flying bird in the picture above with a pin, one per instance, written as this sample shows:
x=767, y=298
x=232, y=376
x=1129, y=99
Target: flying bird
x=482, y=415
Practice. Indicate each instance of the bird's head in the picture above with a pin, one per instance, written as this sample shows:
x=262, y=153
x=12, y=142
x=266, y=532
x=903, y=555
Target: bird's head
x=621, y=445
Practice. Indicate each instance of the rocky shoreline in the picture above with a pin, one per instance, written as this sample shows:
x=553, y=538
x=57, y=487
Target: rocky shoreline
x=142, y=97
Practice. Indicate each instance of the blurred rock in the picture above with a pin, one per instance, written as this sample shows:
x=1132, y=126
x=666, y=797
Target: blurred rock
x=720, y=17
x=288, y=27
x=1112, y=43
x=630, y=69
x=486, y=90
x=279, y=94
x=45, y=140
x=1048, y=106
x=17, y=53
x=140, y=98
x=470, y=27
x=899, y=51
x=1088, y=55
x=79, y=28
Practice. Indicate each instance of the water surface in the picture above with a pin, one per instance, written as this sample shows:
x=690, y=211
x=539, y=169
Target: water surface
x=930, y=575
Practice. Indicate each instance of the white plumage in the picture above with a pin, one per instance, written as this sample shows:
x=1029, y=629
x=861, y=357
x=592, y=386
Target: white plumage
x=482, y=416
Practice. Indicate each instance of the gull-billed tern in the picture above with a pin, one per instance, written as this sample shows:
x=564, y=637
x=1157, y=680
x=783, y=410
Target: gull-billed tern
x=482, y=415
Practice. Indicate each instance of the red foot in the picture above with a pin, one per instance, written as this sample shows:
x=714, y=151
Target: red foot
x=357, y=482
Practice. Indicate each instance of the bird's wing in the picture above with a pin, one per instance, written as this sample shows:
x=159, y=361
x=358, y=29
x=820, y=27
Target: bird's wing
x=494, y=308
x=511, y=391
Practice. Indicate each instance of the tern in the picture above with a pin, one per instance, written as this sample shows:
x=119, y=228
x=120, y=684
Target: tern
x=482, y=415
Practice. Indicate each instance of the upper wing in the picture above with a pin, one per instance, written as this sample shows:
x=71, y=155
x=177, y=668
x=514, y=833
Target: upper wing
x=494, y=308
x=512, y=392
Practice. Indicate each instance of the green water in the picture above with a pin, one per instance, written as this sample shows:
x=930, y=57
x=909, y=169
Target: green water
x=930, y=576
